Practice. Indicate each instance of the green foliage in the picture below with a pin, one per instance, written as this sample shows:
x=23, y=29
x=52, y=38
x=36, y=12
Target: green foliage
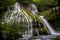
x=49, y=15
x=42, y=8
x=44, y=5
x=6, y=3
x=45, y=2
x=36, y=1
x=12, y=29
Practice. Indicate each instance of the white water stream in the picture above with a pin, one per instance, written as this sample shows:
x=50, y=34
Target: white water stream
x=17, y=15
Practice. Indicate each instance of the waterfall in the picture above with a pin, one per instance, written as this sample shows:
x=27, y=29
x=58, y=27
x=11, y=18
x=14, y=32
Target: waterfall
x=17, y=15
x=37, y=32
x=31, y=28
x=14, y=14
x=28, y=33
x=33, y=8
x=48, y=27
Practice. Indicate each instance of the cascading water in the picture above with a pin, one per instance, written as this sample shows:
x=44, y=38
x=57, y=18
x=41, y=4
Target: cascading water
x=30, y=29
x=35, y=12
x=16, y=15
x=47, y=24
x=48, y=27
x=57, y=8
x=32, y=7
